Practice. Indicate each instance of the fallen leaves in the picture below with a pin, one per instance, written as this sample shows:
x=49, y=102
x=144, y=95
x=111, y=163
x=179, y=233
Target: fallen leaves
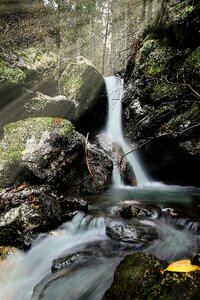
x=182, y=266
x=20, y=188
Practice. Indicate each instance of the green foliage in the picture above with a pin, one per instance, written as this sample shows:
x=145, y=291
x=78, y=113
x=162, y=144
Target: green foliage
x=194, y=59
x=13, y=75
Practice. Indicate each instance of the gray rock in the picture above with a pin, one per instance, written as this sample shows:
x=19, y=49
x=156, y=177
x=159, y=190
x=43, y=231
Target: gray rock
x=49, y=151
x=82, y=84
x=131, y=234
x=130, y=211
x=18, y=224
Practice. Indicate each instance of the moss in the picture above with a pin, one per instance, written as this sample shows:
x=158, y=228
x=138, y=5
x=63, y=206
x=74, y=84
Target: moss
x=23, y=128
x=193, y=60
x=153, y=69
x=37, y=59
x=163, y=91
x=184, y=120
x=5, y=251
x=72, y=79
x=138, y=276
x=13, y=75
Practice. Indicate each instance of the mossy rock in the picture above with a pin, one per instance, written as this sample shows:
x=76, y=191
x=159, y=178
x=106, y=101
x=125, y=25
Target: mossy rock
x=25, y=143
x=139, y=276
x=82, y=84
x=10, y=74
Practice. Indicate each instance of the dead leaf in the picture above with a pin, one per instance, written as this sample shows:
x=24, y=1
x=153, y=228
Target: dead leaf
x=182, y=266
x=20, y=188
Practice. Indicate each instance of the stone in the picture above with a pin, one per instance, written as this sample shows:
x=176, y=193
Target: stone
x=49, y=151
x=82, y=84
x=139, y=276
x=135, y=234
x=130, y=211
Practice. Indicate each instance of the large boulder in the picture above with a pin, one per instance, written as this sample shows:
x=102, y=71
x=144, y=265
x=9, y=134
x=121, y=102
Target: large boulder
x=32, y=85
x=50, y=151
x=139, y=276
x=161, y=99
x=82, y=84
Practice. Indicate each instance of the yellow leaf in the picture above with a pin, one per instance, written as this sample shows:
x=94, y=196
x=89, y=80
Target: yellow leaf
x=20, y=188
x=37, y=206
x=181, y=266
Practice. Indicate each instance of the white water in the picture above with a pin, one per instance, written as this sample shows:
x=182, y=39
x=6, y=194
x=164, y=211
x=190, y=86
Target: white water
x=114, y=86
x=21, y=272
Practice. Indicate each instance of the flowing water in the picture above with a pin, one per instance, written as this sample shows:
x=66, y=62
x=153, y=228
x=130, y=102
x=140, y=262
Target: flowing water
x=28, y=275
x=114, y=86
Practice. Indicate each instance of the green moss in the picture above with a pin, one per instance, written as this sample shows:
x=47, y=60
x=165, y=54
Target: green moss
x=153, y=69
x=72, y=79
x=194, y=59
x=138, y=276
x=13, y=75
x=184, y=120
x=37, y=59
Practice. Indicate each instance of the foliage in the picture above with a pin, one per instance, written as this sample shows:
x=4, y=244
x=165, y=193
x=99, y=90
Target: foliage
x=13, y=75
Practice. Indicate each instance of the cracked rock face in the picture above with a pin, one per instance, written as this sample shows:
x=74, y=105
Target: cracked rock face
x=50, y=151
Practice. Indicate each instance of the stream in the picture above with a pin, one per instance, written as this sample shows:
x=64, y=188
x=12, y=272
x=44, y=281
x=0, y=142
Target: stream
x=174, y=212
x=28, y=275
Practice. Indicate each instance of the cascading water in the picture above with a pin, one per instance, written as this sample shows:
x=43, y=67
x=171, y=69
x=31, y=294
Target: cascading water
x=114, y=86
x=24, y=275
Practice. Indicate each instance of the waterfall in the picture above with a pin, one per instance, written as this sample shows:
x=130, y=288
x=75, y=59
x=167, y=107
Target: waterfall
x=114, y=86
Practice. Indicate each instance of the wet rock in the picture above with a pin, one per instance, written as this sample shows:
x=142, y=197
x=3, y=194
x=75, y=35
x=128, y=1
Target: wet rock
x=82, y=181
x=131, y=234
x=49, y=151
x=130, y=211
x=72, y=204
x=114, y=150
x=69, y=206
x=36, y=214
x=66, y=261
x=196, y=260
x=82, y=84
x=127, y=173
x=138, y=276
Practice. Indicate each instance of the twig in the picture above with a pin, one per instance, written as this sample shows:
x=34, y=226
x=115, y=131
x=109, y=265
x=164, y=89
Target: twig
x=87, y=160
x=177, y=133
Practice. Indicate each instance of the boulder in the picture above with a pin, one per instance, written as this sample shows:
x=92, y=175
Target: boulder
x=135, y=234
x=50, y=151
x=27, y=210
x=18, y=224
x=66, y=261
x=104, y=142
x=30, y=86
x=82, y=84
x=139, y=276
x=130, y=211
x=45, y=106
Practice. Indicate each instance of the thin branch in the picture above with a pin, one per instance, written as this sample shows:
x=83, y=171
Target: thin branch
x=87, y=160
x=165, y=80
x=176, y=133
